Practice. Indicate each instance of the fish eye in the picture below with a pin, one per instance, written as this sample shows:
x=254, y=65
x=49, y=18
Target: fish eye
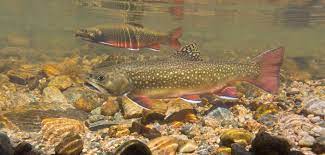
x=100, y=78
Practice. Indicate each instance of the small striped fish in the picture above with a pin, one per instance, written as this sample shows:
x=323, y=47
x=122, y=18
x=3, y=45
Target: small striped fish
x=187, y=77
x=131, y=36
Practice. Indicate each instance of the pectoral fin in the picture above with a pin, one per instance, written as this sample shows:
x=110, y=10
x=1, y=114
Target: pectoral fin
x=142, y=101
x=192, y=98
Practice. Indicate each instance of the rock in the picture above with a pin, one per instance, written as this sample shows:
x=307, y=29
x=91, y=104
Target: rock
x=51, y=70
x=163, y=145
x=266, y=109
x=53, y=95
x=61, y=82
x=24, y=148
x=239, y=136
x=23, y=75
x=100, y=124
x=319, y=147
x=96, y=111
x=266, y=144
x=5, y=146
x=54, y=129
x=268, y=120
x=130, y=109
x=307, y=140
x=293, y=91
x=314, y=106
x=222, y=115
x=71, y=144
x=110, y=107
x=135, y=147
x=150, y=116
x=85, y=104
x=83, y=98
x=221, y=151
x=187, y=147
x=119, y=130
x=145, y=131
x=237, y=149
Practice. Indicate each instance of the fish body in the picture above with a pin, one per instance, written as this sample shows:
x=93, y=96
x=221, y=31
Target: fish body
x=131, y=36
x=169, y=79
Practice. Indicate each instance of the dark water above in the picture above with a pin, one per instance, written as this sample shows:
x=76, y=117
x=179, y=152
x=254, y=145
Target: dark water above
x=221, y=28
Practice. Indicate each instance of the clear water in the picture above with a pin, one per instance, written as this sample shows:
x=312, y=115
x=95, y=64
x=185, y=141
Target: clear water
x=222, y=28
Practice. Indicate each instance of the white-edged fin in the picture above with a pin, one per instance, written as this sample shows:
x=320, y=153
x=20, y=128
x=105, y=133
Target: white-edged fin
x=191, y=101
x=105, y=43
x=156, y=50
x=137, y=101
x=133, y=49
x=228, y=98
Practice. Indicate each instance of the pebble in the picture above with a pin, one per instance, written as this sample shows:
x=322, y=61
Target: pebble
x=145, y=131
x=71, y=144
x=188, y=147
x=101, y=124
x=130, y=109
x=110, y=107
x=222, y=115
x=23, y=75
x=5, y=146
x=53, y=95
x=61, y=82
x=85, y=104
x=307, y=140
x=239, y=136
x=315, y=106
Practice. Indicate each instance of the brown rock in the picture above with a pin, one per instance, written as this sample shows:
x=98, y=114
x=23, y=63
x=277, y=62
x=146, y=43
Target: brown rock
x=110, y=107
x=53, y=95
x=163, y=145
x=61, y=82
x=84, y=104
x=23, y=74
x=51, y=70
x=71, y=144
x=130, y=109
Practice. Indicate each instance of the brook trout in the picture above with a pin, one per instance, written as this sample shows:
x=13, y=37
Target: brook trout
x=186, y=78
x=130, y=36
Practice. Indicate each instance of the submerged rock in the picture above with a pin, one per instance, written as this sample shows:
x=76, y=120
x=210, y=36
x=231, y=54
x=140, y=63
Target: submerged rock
x=135, y=147
x=85, y=104
x=314, y=106
x=24, y=75
x=145, y=131
x=71, y=144
x=61, y=82
x=266, y=144
x=221, y=116
x=266, y=109
x=163, y=145
x=239, y=136
x=53, y=95
x=54, y=129
x=5, y=146
x=130, y=109
x=110, y=107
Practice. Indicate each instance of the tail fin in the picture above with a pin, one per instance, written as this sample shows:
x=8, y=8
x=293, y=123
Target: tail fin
x=270, y=63
x=173, y=38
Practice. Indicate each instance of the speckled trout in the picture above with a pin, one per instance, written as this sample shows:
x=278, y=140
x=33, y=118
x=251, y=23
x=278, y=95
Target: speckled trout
x=186, y=78
x=131, y=36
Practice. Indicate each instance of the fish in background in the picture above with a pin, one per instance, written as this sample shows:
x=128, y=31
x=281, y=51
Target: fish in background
x=131, y=36
x=186, y=76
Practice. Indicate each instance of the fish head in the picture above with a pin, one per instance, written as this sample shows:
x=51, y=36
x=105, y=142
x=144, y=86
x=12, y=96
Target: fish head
x=110, y=81
x=90, y=34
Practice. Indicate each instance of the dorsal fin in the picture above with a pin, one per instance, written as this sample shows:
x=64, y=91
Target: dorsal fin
x=189, y=52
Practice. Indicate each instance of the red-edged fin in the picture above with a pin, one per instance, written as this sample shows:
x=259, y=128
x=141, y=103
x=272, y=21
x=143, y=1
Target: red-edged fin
x=155, y=47
x=229, y=92
x=173, y=38
x=142, y=101
x=191, y=98
x=270, y=63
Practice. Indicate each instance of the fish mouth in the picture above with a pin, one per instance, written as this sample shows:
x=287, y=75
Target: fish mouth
x=95, y=87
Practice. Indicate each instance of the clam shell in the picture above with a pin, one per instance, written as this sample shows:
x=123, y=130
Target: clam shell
x=135, y=147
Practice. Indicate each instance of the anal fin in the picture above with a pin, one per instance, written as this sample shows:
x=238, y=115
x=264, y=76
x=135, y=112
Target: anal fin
x=228, y=93
x=154, y=47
